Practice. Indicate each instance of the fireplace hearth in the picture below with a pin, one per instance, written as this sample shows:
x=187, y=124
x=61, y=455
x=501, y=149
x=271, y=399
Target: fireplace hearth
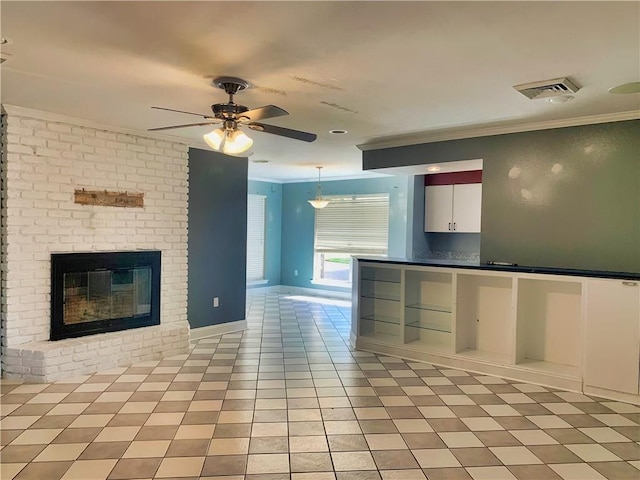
x=104, y=292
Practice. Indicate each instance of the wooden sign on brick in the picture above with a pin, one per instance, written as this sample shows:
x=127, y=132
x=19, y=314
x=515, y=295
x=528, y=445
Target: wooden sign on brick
x=109, y=199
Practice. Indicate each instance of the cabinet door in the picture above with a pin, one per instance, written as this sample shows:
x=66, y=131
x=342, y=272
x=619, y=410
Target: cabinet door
x=613, y=335
x=467, y=207
x=438, y=205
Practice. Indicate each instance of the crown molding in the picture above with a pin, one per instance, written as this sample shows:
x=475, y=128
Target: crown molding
x=83, y=122
x=440, y=136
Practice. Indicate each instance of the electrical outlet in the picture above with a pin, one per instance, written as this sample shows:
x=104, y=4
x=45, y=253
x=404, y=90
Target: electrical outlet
x=216, y=302
x=295, y=273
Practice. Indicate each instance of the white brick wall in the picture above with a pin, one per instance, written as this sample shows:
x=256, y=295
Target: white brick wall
x=43, y=163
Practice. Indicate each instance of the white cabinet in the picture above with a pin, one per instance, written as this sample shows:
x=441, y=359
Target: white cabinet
x=612, y=335
x=453, y=208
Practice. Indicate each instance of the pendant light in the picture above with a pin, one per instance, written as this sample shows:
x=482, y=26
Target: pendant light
x=318, y=202
x=228, y=140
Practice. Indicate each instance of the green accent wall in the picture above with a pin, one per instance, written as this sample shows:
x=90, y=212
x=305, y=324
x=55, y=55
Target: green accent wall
x=566, y=197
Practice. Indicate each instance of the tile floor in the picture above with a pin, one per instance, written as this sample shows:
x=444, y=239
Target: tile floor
x=288, y=399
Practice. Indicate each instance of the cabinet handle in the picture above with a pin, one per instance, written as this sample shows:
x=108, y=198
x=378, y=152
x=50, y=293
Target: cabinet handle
x=449, y=225
x=454, y=225
x=630, y=284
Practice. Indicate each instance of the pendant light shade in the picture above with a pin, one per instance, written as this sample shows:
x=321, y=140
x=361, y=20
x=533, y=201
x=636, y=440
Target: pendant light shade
x=318, y=202
x=230, y=141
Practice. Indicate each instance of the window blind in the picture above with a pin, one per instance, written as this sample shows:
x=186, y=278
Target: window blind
x=256, y=205
x=356, y=224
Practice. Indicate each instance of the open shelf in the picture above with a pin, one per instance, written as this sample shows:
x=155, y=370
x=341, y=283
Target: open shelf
x=485, y=356
x=425, y=306
x=550, y=367
x=429, y=326
x=548, y=322
x=394, y=297
x=485, y=317
x=382, y=319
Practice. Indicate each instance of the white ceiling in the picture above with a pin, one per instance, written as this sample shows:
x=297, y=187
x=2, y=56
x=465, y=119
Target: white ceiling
x=380, y=70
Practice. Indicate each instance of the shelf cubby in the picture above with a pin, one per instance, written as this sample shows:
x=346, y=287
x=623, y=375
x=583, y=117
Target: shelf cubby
x=428, y=310
x=548, y=325
x=484, y=312
x=380, y=304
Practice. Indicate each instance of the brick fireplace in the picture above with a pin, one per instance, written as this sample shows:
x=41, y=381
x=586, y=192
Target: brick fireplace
x=45, y=158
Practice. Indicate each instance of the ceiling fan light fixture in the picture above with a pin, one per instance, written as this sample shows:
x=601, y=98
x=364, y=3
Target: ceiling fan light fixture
x=214, y=138
x=236, y=142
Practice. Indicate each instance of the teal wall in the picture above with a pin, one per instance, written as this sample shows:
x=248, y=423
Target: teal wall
x=298, y=221
x=273, y=227
x=217, y=238
x=566, y=197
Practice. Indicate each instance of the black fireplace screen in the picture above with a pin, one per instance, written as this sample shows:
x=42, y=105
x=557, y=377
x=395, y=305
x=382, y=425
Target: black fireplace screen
x=104, y=292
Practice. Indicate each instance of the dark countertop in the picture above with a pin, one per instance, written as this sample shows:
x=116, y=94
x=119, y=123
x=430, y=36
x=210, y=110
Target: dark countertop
x=504, y=268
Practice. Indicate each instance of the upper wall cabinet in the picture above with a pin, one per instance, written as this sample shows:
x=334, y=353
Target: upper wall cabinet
x=453, y=208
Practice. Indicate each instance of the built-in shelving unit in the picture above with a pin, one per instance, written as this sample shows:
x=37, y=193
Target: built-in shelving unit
x=544, y=328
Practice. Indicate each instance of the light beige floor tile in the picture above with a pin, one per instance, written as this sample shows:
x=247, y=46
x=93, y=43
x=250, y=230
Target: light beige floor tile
x=311, y=443
x=268, y=463
x=277, y=429
x=180, y=467
x=117, y=434
x=229, y=446
x=343, y=427
x=147, y=449
x=490, y=473
x=37, y=436
x=18, y=422
x=435, y=458
x=515, y=456
x=352, y=461
x=410, y=474
x=481, y=424
x=138, y=407
x=576, y=471
x=413, y=425
x=460, y=439
x=177, y=396
x=90, y=469
x=385, y=441
x=61, y=452
x=236, y=416
x=10, y=470
x=193, y=432
x=165, y=419
x=99, y=420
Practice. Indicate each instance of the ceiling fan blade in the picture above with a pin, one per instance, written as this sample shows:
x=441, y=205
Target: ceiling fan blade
x=283, y=132
x=180, y=126
x=268, y=111
x=182, y=111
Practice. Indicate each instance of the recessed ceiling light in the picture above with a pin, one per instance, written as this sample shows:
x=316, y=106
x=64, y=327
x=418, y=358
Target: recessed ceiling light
x=560, y=99
x=260, y=161
x=626, y=88
x=434, y=168
x=338, y=131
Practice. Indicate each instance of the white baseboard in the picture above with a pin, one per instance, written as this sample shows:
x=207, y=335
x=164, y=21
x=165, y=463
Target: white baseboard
x=287, y=289
x=220, y=329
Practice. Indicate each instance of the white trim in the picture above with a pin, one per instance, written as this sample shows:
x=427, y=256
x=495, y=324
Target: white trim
x=332, y=283
x=257, y=282
x=83, y=122
x=291, y=290
x=220, y=329
x=440, y=136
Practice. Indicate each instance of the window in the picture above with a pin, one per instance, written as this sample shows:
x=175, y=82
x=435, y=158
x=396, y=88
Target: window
x=353, y=225
x=255, y=237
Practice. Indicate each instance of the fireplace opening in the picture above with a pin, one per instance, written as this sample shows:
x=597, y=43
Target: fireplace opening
x=103, y=292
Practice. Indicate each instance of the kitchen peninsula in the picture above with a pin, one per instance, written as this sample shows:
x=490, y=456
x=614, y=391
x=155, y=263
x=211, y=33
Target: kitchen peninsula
x=571, y=329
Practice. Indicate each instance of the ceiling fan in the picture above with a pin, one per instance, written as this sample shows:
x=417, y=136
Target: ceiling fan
x=229, y=138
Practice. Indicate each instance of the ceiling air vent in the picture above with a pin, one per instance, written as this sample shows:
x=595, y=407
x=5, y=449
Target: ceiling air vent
x=547, y=88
